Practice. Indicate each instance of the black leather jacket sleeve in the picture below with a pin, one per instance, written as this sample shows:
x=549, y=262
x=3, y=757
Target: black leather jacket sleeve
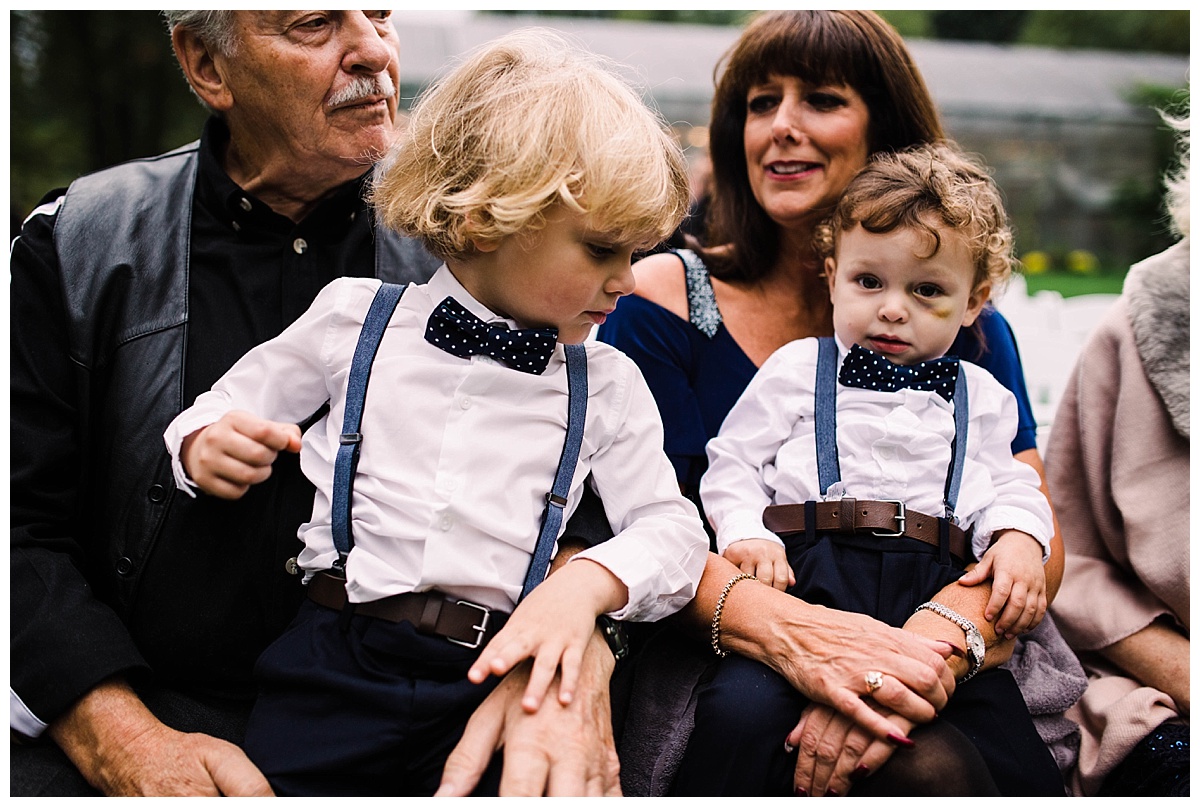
x=63, y=638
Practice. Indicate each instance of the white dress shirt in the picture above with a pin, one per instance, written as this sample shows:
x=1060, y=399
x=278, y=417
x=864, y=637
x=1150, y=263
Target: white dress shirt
x=458, y=456
x=891, y=445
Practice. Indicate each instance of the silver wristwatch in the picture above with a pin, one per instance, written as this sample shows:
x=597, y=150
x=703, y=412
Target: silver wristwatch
x=975, y=646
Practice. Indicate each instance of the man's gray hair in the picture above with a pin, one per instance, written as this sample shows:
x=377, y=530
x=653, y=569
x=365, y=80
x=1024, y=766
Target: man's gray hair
x=214, y=28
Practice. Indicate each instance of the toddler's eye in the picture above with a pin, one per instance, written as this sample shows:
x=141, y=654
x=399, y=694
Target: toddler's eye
x=927, y=290
x=869, y=282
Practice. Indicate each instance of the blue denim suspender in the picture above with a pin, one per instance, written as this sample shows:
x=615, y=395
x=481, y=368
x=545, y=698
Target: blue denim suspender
x=828, y=469
x=346, y=463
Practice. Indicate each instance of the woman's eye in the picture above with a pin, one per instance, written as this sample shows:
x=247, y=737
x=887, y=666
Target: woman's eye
x=758, y=104
x=825, y=100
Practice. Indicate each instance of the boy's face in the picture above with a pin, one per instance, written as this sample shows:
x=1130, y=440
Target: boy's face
x=565, y=275
x=890, y=300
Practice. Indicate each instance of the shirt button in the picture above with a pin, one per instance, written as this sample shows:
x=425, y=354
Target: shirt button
x=300, y=245
x=245, y=204
x=447, y=523
x=465, y=403
x=157, y=493
x=886, y=452
x=291, y=566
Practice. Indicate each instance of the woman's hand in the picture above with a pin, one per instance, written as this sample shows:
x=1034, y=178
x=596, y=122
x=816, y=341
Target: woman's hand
x=833, y=751
x=826, y=654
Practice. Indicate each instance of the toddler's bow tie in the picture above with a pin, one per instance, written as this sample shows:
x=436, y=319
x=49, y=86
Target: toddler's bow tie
x=867, y=370
x=459, y=332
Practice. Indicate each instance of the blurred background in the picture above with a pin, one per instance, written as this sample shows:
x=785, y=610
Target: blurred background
x=1061, y=104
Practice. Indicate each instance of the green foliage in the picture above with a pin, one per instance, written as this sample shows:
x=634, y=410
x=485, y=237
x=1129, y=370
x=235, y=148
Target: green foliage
x=978, y=26
x=1158, y=31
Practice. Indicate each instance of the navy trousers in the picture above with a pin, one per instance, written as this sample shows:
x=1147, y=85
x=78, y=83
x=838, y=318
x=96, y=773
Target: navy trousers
x=370, y=711
x=744, y=710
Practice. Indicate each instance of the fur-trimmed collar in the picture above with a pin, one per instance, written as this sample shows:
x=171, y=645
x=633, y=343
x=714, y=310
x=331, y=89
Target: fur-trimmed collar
x=1157, y=291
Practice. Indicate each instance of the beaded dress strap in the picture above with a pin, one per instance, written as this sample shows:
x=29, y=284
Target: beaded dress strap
x=702, y=302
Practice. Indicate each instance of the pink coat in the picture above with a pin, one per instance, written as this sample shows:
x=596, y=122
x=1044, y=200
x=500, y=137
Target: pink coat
x=1117, y=465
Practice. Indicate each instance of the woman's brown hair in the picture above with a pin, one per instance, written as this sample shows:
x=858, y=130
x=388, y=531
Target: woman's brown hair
x=856, y=48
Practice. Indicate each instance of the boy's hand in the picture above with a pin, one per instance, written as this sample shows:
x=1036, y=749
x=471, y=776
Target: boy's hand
x=225, y=458
x=764, y=559
x=553, y=626
x=1014, y=564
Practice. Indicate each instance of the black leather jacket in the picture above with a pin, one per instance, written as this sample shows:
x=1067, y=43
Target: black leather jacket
x=122, y=238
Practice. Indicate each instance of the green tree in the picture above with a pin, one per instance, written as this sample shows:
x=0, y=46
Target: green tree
x=90, y=89
x=1157, y=31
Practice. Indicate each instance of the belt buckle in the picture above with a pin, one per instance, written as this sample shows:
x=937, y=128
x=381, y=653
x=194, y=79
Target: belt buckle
x=482, y=627
x=901, y=520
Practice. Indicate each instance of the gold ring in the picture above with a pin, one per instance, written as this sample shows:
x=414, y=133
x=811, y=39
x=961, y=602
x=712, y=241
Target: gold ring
x=874, y=681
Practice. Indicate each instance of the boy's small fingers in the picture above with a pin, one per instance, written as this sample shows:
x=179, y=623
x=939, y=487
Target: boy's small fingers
x=540, y=676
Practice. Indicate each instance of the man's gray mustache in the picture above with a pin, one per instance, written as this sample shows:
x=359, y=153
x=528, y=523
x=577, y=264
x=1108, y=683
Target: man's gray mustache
x=361, y=87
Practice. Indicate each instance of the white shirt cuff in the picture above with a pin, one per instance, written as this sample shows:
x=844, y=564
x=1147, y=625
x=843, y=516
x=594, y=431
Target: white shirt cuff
x=21, y=719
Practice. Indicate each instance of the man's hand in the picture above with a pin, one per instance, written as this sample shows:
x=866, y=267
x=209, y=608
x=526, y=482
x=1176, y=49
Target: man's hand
x=557, y=751
x=123, y=750
x=225, y=458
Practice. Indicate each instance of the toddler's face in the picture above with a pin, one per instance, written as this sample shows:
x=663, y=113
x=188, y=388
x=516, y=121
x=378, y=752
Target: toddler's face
x=566, y=275
x=890, y=296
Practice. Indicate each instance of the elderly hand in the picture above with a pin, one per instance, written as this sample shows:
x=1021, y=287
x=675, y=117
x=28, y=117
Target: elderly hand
x=122, y=749
x=826, y=654
x=832, y=751
x=560, y=750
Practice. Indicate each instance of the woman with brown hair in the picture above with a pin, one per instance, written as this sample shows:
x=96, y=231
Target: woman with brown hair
x=803, y=99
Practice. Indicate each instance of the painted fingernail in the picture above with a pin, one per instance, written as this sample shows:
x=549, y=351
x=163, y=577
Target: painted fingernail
x=861, y=772
x=788, y=747
x=832, y=793
x=896, y=739
x=955, y=650
x=801, y=791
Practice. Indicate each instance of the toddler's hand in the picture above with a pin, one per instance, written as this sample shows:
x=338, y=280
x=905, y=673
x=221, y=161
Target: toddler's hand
x=764, y=559
x=225, y=458
x=1014, y=564
x=552, y=626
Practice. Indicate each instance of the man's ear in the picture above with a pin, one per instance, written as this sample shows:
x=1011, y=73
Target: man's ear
x=975, y=302
x=201, y=69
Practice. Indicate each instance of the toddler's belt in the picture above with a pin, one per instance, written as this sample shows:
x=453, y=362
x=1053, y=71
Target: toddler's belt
x=886, y=519
x=431, y=612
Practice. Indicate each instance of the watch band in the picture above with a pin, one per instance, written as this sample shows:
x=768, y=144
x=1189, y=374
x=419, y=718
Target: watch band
x=614, y=634
x=976, y=648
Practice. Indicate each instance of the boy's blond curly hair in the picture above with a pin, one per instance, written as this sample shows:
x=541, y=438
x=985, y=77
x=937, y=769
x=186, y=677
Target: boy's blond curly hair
x=531, y=120
x=921, y=187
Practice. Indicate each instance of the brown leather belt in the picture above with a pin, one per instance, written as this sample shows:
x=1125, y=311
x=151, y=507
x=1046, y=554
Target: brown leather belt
x=885, y=519
x=433, y=613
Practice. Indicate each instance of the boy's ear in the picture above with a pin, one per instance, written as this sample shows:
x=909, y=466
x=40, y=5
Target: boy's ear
x=830, y=271
x=975, y=302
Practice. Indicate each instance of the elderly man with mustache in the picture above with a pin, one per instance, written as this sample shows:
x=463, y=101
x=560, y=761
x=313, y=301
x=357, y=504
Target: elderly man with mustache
x=137, y=613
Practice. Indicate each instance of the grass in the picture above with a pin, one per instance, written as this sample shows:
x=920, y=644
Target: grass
x=1071, y=285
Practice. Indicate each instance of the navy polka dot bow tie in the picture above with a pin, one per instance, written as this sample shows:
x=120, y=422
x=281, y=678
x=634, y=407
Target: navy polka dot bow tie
x=459, y=332
x=867, y=370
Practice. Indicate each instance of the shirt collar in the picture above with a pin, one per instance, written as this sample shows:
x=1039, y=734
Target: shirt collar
x=444, y=284
x=240, y=209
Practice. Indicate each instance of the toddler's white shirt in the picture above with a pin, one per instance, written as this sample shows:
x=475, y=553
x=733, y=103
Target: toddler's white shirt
x=891, y=445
